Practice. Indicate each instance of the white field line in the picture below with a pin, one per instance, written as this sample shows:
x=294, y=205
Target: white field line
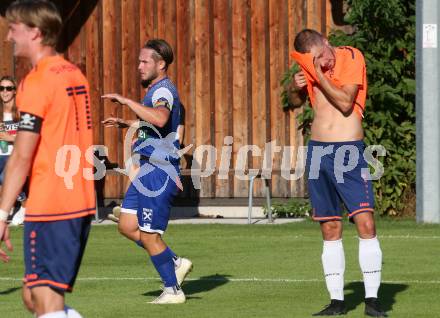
x=416, y=237
x=220, y=279
x=398, y=237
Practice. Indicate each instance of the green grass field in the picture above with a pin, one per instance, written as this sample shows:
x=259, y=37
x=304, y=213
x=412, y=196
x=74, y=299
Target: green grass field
x=244, y=271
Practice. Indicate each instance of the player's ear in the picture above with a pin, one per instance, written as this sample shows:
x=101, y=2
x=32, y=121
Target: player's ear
x=36, y=33
x=162, y=65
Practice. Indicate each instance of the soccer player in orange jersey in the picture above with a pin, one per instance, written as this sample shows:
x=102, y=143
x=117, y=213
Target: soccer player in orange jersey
x=335, y=79
x=54, y=106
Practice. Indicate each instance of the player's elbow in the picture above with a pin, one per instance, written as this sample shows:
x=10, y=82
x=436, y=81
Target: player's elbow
x=346, y=108
x=346, y=105
x=160, y=123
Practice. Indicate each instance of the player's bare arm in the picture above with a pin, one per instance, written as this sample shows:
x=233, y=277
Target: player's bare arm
x=297, y=90
x=120, y=122
x=342, y=98
x=156, y=116
x=6, y=137
x=17, y=169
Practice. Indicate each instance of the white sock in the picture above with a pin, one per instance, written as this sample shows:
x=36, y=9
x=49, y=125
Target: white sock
x=177, y=261
x=174, y=290
x=71, y=313
x=56, y=314
x=370, y=260
x=333, y=262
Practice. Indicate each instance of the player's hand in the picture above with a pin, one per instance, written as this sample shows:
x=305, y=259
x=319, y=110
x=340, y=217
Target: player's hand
x=114, y=122
x=299, y=80
x=116, y=98
x=317, y=65
x=4, y=237
x=4, y=136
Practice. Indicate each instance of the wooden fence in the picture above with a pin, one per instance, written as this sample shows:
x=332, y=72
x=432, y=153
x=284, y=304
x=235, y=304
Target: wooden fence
x=230, y=56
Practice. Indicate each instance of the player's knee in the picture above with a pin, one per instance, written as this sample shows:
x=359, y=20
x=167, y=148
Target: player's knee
x=331, y=231
x=366, y=226
x=149, y=239
x=367, y=230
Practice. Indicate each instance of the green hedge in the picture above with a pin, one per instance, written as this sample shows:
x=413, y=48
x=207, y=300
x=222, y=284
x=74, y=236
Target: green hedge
x=385, y=33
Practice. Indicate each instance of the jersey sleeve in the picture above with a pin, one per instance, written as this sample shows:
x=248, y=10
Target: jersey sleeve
x=163, y=97
x=32, y=97
x=354, y=68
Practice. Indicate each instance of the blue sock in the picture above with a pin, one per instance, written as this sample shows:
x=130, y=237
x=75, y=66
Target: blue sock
x=175, y=257
x=139, y=243
x=164, y=265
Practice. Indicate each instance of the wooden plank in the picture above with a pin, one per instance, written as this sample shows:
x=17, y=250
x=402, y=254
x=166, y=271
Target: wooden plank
x=93, y=73
x=296, y=24
x=241, y=86
x=146, y=20
x=328, y=17
x=185, y=64
x=75, y=35
x=204, y=88
x=314, y=15
x=7, y=49
x=222, y=91
x=131, y=87
x=111, y=37
x=260, y=80
x=166, y=28
x=277, y=39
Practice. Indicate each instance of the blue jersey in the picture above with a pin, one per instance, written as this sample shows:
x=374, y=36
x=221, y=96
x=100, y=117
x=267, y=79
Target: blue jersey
x=155, y=141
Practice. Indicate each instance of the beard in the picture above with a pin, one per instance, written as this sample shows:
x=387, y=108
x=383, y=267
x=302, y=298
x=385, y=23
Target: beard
x=146, y=82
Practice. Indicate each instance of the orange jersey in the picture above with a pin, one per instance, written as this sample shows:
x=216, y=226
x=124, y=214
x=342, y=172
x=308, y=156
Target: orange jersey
x=56, y=93
x=349, y=69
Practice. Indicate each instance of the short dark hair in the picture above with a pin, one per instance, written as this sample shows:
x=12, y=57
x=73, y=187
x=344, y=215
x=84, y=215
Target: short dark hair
x=40, y=14
x=162, y=49
x=306, y=39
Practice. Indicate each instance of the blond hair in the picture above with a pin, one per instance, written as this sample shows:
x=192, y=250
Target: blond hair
x=39, y=14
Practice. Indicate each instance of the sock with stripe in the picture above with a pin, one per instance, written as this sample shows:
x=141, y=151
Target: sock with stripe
x=333, y=262
x=370, y=261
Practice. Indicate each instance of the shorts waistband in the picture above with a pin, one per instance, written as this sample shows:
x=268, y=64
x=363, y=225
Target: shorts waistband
x=336, y=143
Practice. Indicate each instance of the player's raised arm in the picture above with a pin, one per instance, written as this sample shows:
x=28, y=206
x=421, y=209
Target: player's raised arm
x=157, y=116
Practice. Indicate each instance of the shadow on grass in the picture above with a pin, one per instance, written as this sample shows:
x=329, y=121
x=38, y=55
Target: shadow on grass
x=199, y=285
x=9, y=290
x=387, y=294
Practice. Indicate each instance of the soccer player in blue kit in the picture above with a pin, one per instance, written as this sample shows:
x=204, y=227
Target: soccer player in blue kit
x=146, y=206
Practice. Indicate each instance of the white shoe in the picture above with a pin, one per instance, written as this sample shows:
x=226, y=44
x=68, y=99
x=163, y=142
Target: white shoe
x=113, y=218
x=18, y=218
x=117, y=211
x=170, y=295
x=184, y=268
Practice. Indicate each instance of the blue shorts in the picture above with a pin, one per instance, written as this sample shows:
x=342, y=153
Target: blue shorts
x=53, y=252
x=150, y=197
x=337, y=174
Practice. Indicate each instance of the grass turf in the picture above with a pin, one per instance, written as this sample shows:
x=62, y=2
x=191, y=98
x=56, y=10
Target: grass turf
x=243, y=271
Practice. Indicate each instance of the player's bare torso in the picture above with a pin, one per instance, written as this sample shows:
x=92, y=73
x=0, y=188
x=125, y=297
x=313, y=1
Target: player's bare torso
x=330, y=124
